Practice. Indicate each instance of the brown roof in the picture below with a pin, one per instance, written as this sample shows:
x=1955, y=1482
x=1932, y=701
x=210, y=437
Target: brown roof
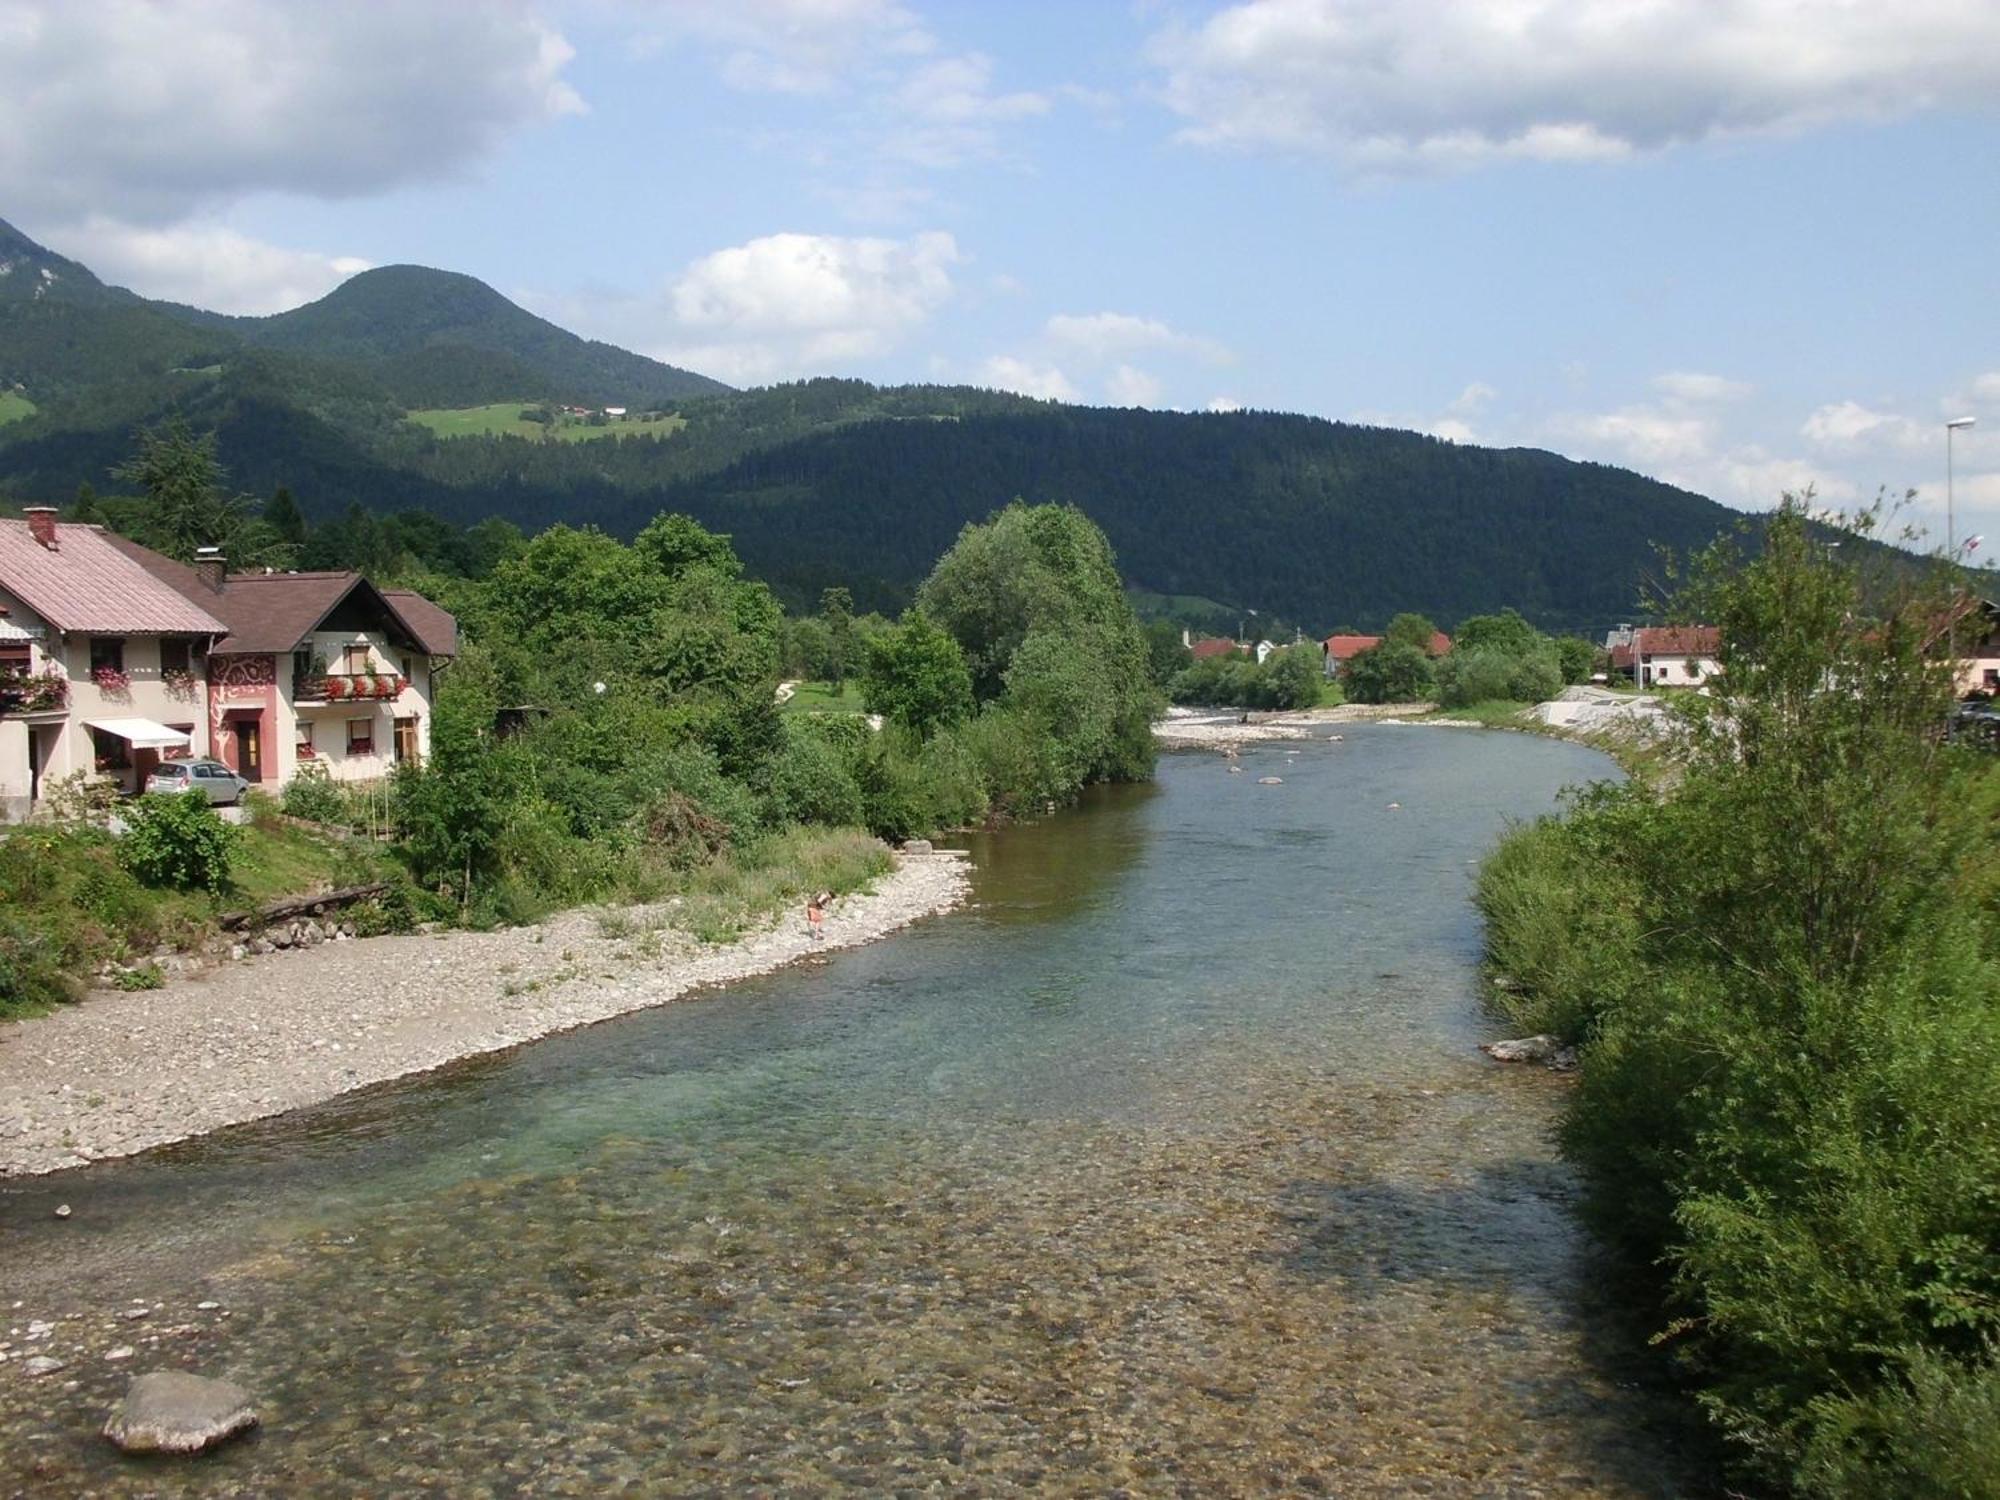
x=1678, y=640
x=432, y=624
x=272, y=613
x=90, y=584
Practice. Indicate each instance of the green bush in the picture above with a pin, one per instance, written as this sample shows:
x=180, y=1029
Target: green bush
x=177, y=842
x=1787, y=975
x=1393, y=672
x=812, y=783
x=312, y=795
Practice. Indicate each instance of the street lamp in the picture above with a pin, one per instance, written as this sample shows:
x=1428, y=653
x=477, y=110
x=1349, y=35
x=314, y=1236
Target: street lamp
x=1949, y=428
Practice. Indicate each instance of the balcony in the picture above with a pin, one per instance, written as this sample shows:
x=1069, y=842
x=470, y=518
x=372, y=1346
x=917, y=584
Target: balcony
x=33, y=693
x=347, y=687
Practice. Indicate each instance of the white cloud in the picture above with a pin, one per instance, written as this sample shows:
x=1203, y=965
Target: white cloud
x=1129, y=386
x=1848, y=425
x=1389, y=85
x=1649, y=436
x=1475, y=397
x=148, y=112
x=946, y=113
x=1693, y=388
x=1107, y=335
x=818, y=283
x=776, y=307
x=208, y=265
x=1223, y=403
x=1003, y=372
x=1986, y=388
x=788, y=46
x=1452, y=430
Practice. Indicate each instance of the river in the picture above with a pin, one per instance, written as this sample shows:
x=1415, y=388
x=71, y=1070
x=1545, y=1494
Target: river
x=1168, y=1167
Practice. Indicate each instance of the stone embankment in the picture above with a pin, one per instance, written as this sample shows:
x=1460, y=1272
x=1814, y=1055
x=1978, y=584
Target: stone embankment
x=123, y=1072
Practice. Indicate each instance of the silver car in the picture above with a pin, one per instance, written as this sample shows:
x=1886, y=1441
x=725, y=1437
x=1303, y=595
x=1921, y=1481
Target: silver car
x=211, y=778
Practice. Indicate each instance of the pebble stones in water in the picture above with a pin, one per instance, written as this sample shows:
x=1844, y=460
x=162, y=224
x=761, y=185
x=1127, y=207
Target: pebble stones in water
x=1270, y=781
x=168, y=1411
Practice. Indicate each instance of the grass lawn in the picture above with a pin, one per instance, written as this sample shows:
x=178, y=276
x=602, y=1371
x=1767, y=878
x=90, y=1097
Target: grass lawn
x=820, y=698
x=503, y=419
x=14, y=406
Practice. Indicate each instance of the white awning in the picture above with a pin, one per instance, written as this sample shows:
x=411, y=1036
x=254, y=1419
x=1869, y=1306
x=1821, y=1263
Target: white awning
x=143, y=734
x=9, y=631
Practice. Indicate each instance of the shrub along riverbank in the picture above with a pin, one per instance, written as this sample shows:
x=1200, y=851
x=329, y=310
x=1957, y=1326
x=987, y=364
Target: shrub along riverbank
x=1785, y=980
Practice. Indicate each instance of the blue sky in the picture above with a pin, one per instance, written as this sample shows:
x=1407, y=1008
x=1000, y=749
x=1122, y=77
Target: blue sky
x=1743, y=245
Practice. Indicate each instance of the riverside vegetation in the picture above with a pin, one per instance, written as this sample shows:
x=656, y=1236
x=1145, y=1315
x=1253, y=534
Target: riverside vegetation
x=1784, y=977
x=648, y=757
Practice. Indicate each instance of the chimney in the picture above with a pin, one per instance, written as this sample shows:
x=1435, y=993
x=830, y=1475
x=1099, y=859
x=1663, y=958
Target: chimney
x=208, y=567
x=42, y=525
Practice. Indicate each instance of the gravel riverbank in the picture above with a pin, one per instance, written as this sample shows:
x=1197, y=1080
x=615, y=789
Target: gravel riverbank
x=1225, y=728
x=121, y=1073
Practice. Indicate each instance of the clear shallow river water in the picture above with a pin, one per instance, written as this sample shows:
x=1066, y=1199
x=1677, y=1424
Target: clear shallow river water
x=1170, y=1167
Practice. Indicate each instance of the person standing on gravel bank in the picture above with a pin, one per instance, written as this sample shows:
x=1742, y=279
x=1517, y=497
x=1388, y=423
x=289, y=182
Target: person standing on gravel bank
x=816, y=915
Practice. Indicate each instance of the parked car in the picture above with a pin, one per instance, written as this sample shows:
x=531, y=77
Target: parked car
x=211, y=778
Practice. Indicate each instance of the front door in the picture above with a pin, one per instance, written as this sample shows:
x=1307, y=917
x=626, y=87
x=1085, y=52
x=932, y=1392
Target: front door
x=249, y=749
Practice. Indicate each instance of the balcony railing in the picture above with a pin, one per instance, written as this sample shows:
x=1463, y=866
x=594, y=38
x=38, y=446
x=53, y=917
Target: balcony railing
x=347, y=687
x=32, y=692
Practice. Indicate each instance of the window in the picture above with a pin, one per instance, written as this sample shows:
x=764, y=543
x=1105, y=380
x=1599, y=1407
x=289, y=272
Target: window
x=360, y=736
x=111, y=752
x=107, y=652
x=407, y=673
x=180, y=752
x=406, y=742
x=14, y=657
x=354, y=660
x=306, y=751
x=174, y=656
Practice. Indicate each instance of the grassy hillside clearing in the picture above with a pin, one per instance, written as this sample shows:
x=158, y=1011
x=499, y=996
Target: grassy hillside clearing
x=14, y=406
x=504, y=419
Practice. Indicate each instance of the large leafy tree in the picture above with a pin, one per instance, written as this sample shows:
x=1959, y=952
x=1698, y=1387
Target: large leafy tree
x=916, y=675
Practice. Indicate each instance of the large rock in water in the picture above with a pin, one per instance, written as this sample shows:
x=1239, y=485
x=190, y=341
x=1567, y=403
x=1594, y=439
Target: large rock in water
x=171, y=1412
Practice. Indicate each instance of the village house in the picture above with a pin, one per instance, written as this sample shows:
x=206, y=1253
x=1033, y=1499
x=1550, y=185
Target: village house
x=1979, y=667
x=100, y=662
x=112, y=656
x=1669, y=655
x=1336, y=651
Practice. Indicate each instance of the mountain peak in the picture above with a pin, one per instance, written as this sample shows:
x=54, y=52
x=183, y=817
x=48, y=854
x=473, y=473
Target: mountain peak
x=30, y=272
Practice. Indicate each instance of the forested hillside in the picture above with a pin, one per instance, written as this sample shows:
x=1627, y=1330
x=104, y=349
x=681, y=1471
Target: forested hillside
x=822, y=481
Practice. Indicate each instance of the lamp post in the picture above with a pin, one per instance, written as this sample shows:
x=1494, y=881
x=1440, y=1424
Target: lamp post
x=1949, y=428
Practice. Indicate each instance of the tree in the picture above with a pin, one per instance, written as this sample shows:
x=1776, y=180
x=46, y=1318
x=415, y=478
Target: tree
x=1506, y=631
x=1393, y=672
x=1409, y=629
x=84, y=510
x=1164, y=649
x=282, y=515
x=1575, y=656
x=836, y=608
x=916, y=675
x=1292, y=677
x=187, y=508
x=451, y=810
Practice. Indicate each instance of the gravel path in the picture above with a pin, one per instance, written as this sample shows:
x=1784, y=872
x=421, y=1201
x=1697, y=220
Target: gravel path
x=121, y=1073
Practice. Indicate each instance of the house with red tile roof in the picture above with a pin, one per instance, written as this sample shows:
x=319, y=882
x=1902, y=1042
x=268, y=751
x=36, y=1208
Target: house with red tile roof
x=1336, y=651
x=1213, y=646
x=113, y=657
x=1670, y=655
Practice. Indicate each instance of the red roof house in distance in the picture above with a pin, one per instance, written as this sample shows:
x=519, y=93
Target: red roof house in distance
x=1673, y=655
x=1338, y=650
x=1213, y=646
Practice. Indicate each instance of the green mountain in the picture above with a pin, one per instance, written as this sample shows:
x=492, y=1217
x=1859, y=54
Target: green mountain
x=822, y=481
x=436, y=338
